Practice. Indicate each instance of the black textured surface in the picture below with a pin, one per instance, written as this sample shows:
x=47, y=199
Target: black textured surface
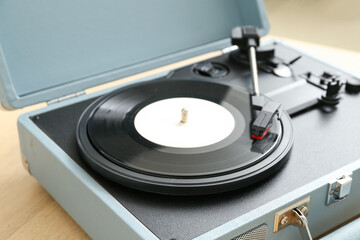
x=325, y=140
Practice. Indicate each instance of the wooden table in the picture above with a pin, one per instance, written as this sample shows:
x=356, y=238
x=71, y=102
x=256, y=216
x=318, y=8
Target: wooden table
x=27, y=211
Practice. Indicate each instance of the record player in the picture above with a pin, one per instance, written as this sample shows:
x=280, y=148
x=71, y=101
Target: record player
x=256, y=142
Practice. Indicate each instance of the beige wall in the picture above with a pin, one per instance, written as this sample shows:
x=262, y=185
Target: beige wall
x=333, y=23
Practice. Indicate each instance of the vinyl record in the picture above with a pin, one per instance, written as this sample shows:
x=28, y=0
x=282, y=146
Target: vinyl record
x=112, y=145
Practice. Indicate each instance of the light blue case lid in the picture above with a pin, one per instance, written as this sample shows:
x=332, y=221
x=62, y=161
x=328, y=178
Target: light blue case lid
x=54, y=48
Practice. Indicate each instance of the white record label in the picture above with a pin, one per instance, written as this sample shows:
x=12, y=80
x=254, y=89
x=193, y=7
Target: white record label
x=184, y=122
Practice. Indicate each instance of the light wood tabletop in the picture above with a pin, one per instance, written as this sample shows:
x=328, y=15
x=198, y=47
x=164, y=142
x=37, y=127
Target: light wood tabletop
x=27, y=211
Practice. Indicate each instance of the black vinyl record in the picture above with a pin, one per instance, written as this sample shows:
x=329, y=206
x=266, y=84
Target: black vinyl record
x=111, y=145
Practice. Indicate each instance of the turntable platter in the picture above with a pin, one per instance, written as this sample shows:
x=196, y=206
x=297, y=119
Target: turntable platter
x=194, y=152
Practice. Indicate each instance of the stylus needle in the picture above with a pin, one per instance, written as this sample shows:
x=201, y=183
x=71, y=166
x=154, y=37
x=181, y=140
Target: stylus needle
x=248, y=38
x=264, y=119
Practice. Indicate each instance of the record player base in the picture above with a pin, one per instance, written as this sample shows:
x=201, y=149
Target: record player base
x=103, y=217
x=308, y=172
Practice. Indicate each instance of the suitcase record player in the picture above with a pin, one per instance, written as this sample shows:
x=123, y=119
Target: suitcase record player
x=255, y=142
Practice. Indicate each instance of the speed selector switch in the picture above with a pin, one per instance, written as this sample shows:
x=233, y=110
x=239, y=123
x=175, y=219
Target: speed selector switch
x=212, y=70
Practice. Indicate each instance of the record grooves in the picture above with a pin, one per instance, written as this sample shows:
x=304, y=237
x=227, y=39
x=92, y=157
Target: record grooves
x=110, y=143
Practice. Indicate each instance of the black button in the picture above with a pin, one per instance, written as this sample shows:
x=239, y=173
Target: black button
x=352, y=85
x=212, y=70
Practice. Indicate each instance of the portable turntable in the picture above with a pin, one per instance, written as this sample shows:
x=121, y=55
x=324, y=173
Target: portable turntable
x=214, y=149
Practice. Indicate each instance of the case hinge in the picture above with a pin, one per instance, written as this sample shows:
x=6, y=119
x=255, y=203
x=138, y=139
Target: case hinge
x=60, y=99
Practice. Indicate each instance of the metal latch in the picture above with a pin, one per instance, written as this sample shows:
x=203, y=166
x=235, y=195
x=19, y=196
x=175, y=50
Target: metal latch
x=286, y=217
x=294, y=215
x=339, y=189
